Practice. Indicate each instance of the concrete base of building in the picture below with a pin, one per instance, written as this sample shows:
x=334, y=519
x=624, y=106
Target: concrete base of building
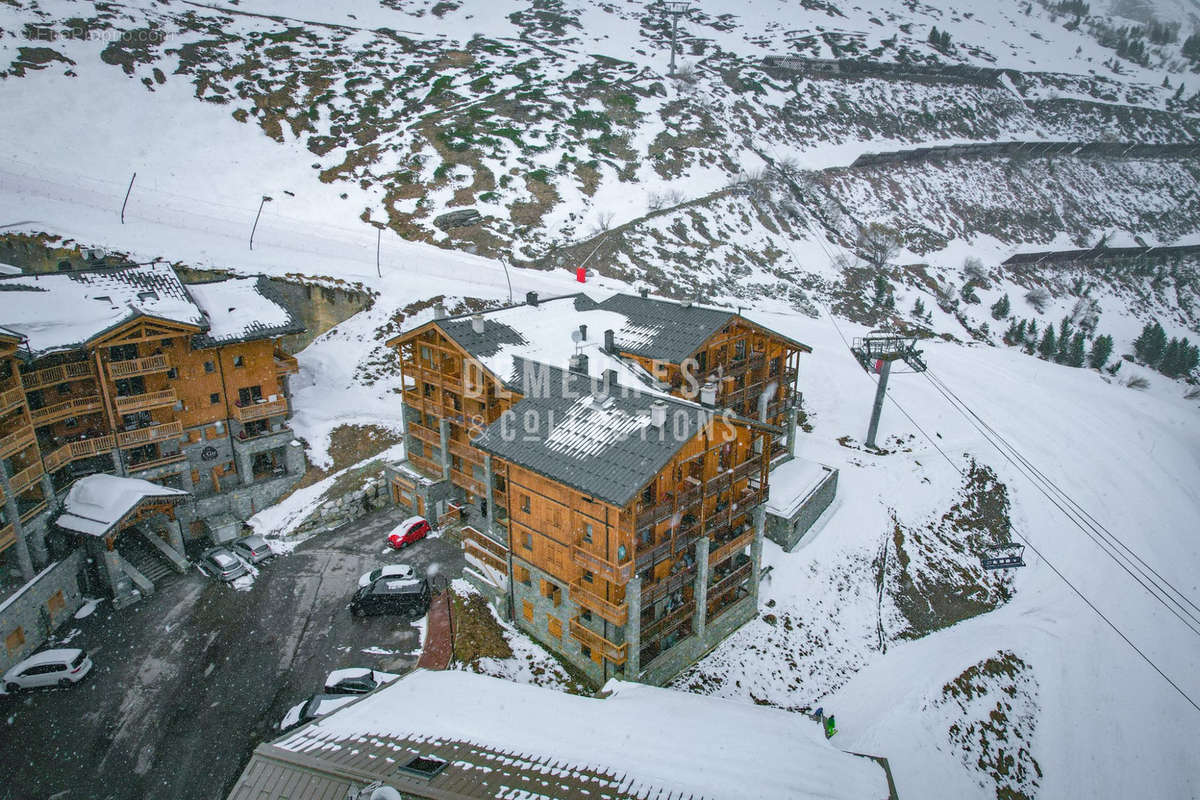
x=38, y=608
x=687, y=652
x=788, y=531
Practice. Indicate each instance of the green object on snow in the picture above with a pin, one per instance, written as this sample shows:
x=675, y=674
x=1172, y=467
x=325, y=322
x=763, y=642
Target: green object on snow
x=830, y=727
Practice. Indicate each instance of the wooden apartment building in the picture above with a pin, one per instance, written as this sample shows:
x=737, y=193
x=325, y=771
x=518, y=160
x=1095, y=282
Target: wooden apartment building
x=624, y=519
x=127, y=371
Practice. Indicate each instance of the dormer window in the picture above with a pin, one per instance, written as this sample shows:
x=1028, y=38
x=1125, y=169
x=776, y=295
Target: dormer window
x=147, y=295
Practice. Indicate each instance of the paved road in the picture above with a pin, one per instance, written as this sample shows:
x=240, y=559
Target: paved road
x=190, y=680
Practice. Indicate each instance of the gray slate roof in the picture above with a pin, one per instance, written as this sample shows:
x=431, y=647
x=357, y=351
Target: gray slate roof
x=258, y=309
x=604, y=448
x=664, y=329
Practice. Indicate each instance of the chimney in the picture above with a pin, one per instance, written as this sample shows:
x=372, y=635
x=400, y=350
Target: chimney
x=531, y=298
x=610, y=379
x=610, y=345
x=658, y=414
x=477, y=323
x=439, y=310
x=583, y=333
x=687, y=303
x=578, y=363
x=708, y=394
x=644, y=292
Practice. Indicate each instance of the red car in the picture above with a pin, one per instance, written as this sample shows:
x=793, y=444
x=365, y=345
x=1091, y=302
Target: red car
x=411, y=530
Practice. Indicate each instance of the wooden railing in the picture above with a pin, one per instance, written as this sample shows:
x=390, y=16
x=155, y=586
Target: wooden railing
x=173, y=458
x=667, y=622
x=486, y=549
x=499, y=498
x=74, y=451
x=139, y=366
x=724, y=551
x=431, y=468
x=145, y=402
x=425, y=435
x=285, y=364
x=465, y=451
x=16, y=442
x=11, y=398
x=582, y=594
x=30, y=513
x=65, y=409
x=62, y=373
x=8, y=537
x=729, y=581
x=581, y=633
x=267, y=408
x=472, y=485
x=155, y=433
x=25, y=478
x=613, y=573
x=657, y=591
x=652, y=514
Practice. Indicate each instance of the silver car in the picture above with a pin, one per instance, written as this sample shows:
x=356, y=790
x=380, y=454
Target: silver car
x=254, y=548
x=222, y=564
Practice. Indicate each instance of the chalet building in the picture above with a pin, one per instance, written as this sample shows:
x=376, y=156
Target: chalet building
x=128, y=372
x=618, y=503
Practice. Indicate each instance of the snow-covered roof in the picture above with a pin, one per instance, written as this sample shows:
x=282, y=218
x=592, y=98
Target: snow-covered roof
x=791, y=483
x=239, y=309
x=98, y=503
x=663, y=328
x=637, y=741
x=63, y=310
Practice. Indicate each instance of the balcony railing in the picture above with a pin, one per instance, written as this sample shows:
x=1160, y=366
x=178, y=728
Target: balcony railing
x=429, y=466
x=139, y=366
x=74, y=451
x=465, y=451
x=724, y=551
x=583, y=594
x=667, y=622
x=654, y=513
x=173, y=458
x=260, y=409
x=155, y=433
x=25, y=478
x=734, y=578
x=11, y=398
x=582, y=634
x=8, y=537
x=16, y=442
x=65, y=409
x=285, y=364
x=609, y=571
x=672, y=583
x=472, y=485
x=49, y=376
x=145, y=402
x=425, y=435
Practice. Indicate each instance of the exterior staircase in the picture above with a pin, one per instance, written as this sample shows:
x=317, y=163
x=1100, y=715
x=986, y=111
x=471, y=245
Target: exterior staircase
x=145, y=558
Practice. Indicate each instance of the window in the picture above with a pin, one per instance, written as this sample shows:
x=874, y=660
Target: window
x=172, y=373
x=554, y=626
x=588, y=577
x=56, y=603
x=239, y=361
x=214, y=398
x=148, y=295
x=527, y=541
x=122, y=352
x=425, y=766
x=64, y=388
x=585, y=651
x=521, y=574
x=249, y=395
x=71, y=422
x=210, y=366
x=527, y=610
x=587, y=532
x=525, y=503
x=551, y=592
x=14, y=640
x=585, y=615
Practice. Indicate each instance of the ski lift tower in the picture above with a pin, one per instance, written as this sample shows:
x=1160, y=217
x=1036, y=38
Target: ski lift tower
x=876, y=351
x=674, y=10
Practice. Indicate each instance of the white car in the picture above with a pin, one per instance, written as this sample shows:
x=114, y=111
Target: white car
x=316, y=706
x=48, y=668
x=388, y=571
x=356, y=680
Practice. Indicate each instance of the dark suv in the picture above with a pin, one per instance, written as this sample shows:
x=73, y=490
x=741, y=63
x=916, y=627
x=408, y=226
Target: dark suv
x=408, y=596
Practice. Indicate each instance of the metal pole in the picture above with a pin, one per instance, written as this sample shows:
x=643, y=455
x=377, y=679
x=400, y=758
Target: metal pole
x=256, y=216
x=127, y=191
x=880, y=391
x=674, y=28
x=378, y=243
x=504, y=263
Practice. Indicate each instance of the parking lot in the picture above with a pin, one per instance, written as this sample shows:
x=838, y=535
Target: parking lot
x=187, y=682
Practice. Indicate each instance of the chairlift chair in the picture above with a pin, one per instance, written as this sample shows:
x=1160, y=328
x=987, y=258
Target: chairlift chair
x=1004, y=556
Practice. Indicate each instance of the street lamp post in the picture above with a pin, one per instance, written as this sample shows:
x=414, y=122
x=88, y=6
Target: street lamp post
x=265, y=200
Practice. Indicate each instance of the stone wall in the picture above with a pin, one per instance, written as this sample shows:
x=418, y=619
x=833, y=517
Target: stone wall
x=29, y=609
x=334, y=512
x=788, y=531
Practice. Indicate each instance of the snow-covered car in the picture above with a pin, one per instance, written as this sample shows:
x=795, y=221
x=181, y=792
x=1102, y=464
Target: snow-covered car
x=411, y=530
x=222, y=564
x=316, y=706
x=62, y=668
x=356, y=680
x=386, y=571
x=254, y=548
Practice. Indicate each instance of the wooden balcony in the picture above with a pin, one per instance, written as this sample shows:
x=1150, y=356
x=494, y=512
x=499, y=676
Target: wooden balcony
x=733, y=579
x=261, y=410
x=25, y=478
x=485, y=549
x=584, y=595
x=51, y=376
x=687, y=498
x=155, y=433
x=465, y=451
x=428, y=466
x=613, y=573
x=426, y=435
x=68, y=408
x=613, y=652
x=17, y=441
x=75, y=451
x=472, y=485
x=145, y=402
x=173, y=458
x=285, y=364
x=32, y=512
x=139, y=366
x=8, y=537
x=724, y=551
x=11, y=398
x=668, y=622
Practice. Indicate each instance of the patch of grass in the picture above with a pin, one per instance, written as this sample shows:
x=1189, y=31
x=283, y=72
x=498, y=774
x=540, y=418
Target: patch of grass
x=540, y=175
x=476, y=633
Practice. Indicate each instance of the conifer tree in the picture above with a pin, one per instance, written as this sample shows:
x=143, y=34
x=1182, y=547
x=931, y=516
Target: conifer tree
x=1150, y=345
x=1101, y=350
x=919, y=308
x=1075, y=353
x=1048, y=348
x=1000, y=308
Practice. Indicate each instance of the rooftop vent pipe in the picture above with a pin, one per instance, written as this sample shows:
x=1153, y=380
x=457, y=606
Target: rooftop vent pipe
x=610, y=344
x=583, y=333
x=708, y=394
x=531, y=299
x=658, y=414
x=477, y=323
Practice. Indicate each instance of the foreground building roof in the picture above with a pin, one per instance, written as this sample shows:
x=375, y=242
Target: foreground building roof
x=637, y=741
x=98, y=504
x=242, y=309
x=664, y=329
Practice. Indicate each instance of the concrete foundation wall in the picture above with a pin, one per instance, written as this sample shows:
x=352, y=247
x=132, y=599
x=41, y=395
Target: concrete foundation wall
x=788, y=531
x=29, y=610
